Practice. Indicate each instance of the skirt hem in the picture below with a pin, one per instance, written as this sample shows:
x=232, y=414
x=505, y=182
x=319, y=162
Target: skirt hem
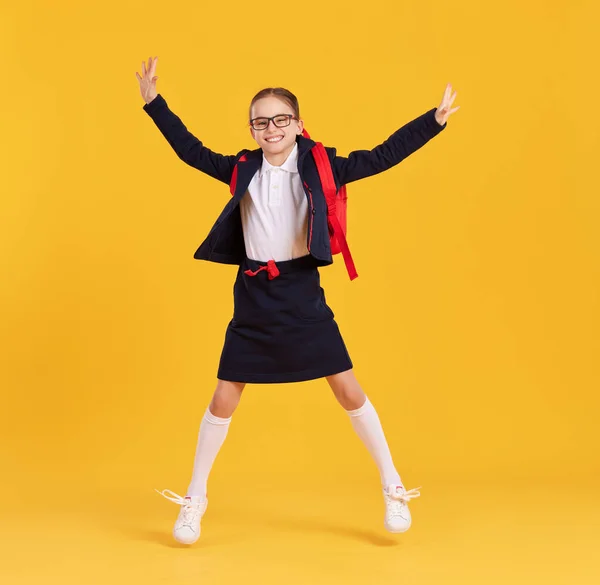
x=282, y=378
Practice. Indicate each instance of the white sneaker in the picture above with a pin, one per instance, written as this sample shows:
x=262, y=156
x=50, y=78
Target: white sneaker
x=397, y=514
x=187, y=526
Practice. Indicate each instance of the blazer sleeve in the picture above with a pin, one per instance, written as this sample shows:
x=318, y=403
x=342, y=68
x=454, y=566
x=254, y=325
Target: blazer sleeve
x=187, y=147
x=402, y=143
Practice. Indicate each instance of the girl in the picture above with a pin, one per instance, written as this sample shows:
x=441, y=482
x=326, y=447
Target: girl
x=274, y=228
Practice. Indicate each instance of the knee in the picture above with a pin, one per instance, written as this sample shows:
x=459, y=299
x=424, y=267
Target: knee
x=352, y=399
x=226, y=399
x=349, y=394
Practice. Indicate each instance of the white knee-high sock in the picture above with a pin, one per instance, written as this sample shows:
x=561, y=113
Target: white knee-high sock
x=213, y=431
x=367, y=425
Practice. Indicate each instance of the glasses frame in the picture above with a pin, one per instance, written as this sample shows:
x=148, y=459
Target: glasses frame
x=289, y=117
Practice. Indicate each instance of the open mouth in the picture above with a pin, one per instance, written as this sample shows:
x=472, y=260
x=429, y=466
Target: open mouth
x=274, y=139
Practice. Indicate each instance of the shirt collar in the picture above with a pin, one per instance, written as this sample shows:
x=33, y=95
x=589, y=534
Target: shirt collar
x=290, y=165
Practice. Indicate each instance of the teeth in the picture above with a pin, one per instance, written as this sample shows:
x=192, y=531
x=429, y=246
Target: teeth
x=276, y=139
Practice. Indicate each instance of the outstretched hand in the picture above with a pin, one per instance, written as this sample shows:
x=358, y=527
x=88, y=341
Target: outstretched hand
x=148, y=80
x=443, y=111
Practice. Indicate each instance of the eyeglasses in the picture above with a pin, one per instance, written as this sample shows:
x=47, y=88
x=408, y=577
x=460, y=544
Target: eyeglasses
x=281, y=121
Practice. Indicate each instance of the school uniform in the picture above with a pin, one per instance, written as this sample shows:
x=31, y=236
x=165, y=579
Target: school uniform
x=274, y=227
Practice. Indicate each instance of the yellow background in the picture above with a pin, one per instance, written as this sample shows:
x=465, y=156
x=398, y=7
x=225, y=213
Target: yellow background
x=473, y=325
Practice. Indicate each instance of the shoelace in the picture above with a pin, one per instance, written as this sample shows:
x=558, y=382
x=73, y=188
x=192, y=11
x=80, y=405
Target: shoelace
x=405, y=496
x=397, y=500
x=190, y=509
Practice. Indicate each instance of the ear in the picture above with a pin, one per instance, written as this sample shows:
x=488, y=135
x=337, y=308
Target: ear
x=300, y=126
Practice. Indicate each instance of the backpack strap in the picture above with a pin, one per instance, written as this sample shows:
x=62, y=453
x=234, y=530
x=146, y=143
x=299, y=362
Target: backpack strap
x=233, y=183
x=327, y=181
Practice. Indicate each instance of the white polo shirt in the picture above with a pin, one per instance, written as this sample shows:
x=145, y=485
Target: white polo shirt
x=275, y=212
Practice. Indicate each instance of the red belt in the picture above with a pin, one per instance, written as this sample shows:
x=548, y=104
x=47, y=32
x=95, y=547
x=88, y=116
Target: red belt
x=270, y=267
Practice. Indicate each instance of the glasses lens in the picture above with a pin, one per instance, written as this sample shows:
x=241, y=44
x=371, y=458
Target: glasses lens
x=260, y=123
x=281, y=121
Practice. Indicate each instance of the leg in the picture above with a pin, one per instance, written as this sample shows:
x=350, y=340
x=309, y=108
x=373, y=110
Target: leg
x=213, y=430
x=226, y=398
x=347, y=390
x=365, y=421
x=368, y=427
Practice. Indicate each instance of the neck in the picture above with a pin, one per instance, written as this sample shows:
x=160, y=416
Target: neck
x=279, y=158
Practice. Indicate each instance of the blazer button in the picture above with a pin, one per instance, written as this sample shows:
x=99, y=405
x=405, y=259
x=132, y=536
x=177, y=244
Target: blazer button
x=314, y=211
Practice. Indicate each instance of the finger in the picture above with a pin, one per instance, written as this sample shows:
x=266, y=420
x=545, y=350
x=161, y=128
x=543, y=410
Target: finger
x=452, y=99
x=454, y=110
x=447, y=92
x=149, y=63
x=144, y=68
x=154, y=65
x=138, y=76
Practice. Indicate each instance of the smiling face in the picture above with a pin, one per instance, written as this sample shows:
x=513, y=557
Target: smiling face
x=276, y=143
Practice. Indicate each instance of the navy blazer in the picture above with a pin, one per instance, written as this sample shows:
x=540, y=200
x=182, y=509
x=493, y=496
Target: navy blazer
x=225, y=241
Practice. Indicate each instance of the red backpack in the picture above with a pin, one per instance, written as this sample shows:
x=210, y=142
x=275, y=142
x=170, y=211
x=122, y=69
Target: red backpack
x=337, y=205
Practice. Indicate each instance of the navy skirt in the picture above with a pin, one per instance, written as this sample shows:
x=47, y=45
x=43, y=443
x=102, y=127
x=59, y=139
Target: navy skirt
x=282, y=329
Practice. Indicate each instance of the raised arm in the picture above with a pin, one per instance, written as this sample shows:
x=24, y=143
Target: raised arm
x=187, y=147
x=401, y=144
